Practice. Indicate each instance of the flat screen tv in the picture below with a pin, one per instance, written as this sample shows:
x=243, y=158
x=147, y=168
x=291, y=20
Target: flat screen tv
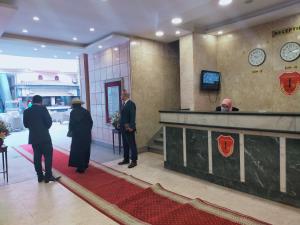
x=210, y=80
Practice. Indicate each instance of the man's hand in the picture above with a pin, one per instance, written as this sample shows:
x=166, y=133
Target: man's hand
x=130, y=129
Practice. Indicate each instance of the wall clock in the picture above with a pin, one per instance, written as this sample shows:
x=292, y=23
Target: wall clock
x=257, y=57
x=290, y=51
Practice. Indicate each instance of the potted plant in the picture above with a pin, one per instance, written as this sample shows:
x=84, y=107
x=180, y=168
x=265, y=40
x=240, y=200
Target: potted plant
x=115, y=120
x=4, y=132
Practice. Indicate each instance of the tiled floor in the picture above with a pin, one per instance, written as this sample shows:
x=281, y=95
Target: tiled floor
x=23, y=199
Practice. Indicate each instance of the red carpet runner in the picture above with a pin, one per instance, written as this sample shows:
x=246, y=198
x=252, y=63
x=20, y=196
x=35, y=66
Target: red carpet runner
x=129, y=203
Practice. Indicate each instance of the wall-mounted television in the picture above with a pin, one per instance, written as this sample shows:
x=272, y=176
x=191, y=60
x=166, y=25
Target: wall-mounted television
x=210, y=80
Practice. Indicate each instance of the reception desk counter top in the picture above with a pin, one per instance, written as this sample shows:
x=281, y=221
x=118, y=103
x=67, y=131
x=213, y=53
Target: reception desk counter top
x=257, y=153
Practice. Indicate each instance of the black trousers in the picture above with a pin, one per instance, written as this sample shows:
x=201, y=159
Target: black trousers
x=129, y=145
x=46, y=150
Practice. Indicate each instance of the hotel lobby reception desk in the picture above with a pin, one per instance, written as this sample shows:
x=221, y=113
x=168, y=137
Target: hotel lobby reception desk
x=257, y=153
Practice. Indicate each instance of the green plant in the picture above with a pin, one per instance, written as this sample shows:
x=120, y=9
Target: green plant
x=115, y=120
x=4, y=130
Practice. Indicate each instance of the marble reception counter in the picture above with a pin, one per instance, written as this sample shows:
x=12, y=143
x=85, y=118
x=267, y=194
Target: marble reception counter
x=257, y=153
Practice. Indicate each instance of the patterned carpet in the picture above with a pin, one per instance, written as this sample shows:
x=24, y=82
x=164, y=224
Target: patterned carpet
x=128, y=200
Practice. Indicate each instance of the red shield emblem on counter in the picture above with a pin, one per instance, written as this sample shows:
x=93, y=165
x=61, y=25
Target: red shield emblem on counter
x=289, y=82
x=225, y=145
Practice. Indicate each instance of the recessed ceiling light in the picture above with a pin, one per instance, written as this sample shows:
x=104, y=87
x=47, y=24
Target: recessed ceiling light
x=24, y=30
x=43, y=46
x=55, y=56
x=100, y=46
x=1, y=51
x=92, y=29
x=176, y=21
x=225, y=2
x=116, y=49
x=159, y=33
x=220, y=32
x=69, y=53
x=35, y=18
x=74, y=38
x=35, y=49
x=178, y=32
x=77, y=57
x=133, y=43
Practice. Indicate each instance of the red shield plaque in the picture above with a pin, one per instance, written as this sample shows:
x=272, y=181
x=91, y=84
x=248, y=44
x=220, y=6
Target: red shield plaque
x=225, y=145
x=289, y=82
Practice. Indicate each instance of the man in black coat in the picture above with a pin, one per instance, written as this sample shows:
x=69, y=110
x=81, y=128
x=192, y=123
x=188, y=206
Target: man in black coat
x=38, y=120
x=128, y=128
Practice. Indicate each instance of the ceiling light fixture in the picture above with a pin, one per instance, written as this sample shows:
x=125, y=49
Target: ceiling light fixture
x=176, y=21
x=116, y=49
x=133, y=43
x=35, y=49
x=92, y=29
x=55, y=56
x=24, y=30
x=178, y=32
x=100, y=46
x=159, y=33
x=43, y=46
x=74, y=38
x=220, y=32
x=1, y=51
x=35, y=18
x=69, y=53
x=225, y=2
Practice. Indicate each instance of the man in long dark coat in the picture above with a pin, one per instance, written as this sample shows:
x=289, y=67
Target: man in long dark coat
x=80, y=128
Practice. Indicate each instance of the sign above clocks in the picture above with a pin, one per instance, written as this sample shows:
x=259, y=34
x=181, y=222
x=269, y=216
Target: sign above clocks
x=289, y=52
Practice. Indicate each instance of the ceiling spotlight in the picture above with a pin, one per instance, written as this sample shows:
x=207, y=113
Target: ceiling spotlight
x=178, y=32
x=77, y=57
x=224, y=2
x=92, y=29
x=1, y=51
x=159, y=33
x=55, y=56
x=69, y=53
x=74, y=38
x=35, y=49
x=100, y=46
x=220, y=32
x=133, y=43
x=116, y=49
x=35, y=18
x=176, y=21
x=25, y=30
x=43, y=46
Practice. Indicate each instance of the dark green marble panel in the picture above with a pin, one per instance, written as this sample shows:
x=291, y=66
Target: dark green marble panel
x=174, y=145
x=262, y=162
x=293, y=167
x=197, y=150
x=228, y=168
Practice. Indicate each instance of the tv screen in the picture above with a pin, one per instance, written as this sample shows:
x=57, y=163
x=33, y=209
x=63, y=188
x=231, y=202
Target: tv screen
x=210, y=80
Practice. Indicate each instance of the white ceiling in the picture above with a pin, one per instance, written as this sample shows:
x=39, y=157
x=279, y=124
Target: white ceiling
x=61, y=20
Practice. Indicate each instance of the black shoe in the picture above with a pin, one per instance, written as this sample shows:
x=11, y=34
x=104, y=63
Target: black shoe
x=54, y=179
x=41, y=179
x=123, y=162
x=132, y=164
x=80, y=170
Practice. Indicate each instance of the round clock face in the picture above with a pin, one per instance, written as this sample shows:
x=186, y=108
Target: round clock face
x=290, y=51
x=257, y=57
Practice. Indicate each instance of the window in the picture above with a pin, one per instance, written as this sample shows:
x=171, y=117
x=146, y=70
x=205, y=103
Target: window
x=112, y=99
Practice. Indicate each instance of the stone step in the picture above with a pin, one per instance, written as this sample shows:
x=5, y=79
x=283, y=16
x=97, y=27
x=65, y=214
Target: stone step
x=159, y=140
x=156, y=149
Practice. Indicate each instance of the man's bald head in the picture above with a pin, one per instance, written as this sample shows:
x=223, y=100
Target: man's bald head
x=125, y=95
